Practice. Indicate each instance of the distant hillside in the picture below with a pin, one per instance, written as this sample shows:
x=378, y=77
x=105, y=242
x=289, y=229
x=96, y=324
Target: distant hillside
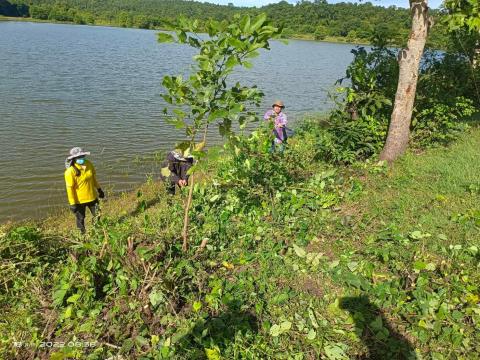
x=15, y=10
x=315, y=20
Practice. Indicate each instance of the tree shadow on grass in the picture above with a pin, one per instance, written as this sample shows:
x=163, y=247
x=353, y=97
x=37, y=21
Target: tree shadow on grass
x=382, y=340
x=217, y=332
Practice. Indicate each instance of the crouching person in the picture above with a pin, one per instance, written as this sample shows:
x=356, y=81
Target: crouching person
x=174, y=170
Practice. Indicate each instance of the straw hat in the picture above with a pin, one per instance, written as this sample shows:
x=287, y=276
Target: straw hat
x=278, y=103
x=77, y=152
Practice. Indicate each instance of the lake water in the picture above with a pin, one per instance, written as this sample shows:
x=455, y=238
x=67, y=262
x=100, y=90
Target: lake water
x=99, y=88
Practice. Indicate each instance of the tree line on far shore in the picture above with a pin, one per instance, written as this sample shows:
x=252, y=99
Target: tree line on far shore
x=13, y=10
x=313, y=20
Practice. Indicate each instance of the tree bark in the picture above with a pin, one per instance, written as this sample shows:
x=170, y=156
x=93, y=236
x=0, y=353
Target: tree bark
x=409, y=62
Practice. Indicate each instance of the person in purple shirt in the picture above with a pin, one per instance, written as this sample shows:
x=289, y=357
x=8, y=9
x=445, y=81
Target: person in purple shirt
x=279, y=119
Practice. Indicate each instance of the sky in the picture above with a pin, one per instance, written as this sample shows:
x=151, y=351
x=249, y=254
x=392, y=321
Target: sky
x=399, y=3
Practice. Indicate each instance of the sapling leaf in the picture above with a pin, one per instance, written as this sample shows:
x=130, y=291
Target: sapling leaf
x=258, y=22
x=165, y=38
x=165, y=171
x=245, y=24
x=231, y=62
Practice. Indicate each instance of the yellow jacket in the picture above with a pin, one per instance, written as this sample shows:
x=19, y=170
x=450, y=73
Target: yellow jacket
x=83, y=188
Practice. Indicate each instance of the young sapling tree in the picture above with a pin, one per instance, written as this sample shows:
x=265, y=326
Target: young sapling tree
x=206, y=97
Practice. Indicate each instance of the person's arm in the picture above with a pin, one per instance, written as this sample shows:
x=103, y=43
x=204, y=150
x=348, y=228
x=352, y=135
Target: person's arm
x=268, y=115
x=282, y=120
x=101, y=194
x=173, y=166
x=70, y=185
x=185, y=166
x=95, y=181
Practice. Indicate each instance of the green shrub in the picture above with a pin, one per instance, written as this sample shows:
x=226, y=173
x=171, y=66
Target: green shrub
x=357, y=127
x=341, y=140
x=441, y=124
x=371, y=79
x=26, y=253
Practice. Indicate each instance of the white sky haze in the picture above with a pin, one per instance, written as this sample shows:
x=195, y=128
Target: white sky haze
x=399, y=3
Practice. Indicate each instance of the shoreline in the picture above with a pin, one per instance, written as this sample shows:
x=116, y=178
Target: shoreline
x=60, y=218
x=304, y=37
x=60, y=208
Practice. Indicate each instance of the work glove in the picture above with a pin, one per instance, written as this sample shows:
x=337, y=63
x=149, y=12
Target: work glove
x=101, y=194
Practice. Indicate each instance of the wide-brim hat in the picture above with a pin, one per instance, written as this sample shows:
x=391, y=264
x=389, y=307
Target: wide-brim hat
x=180, y=155
x=77, y=152
x=278, y=103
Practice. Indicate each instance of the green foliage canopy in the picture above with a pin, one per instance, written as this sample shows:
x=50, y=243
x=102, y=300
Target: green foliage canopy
x=206, y=97
x=463, y=13
x=318, y=19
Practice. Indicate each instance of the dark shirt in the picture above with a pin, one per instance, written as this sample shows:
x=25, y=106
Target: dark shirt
x=178, y=167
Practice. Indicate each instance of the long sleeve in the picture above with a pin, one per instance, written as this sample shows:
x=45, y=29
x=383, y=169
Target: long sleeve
x=268, y=114
x=184, y=167
x=281, y=120
x=70, y=184
x=95, y=181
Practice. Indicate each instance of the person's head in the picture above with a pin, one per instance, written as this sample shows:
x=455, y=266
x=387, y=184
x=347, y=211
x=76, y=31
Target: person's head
x=80, y=160
x=77, y=156
x=182, y=155
x=278, y=106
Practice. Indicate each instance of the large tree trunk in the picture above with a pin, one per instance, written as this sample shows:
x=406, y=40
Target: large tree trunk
x=409, y=61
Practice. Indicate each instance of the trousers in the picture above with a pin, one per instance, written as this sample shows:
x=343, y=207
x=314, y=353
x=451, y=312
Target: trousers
x=80, y=209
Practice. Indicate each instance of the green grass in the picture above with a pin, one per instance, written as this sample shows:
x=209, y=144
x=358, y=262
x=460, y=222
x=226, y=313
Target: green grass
x=315, y=262
x=27, y=19
x=425, y=190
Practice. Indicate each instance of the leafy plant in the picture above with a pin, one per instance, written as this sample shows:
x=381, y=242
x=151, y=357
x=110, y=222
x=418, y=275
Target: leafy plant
x=206, y=96
x=293, y=267
x=440, y=124
x=372, y=77
x=463, y=13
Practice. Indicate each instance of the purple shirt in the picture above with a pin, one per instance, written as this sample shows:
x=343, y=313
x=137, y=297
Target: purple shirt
x=280, y=120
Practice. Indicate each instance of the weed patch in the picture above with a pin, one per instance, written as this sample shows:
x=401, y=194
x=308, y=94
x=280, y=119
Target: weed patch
x=318, y=262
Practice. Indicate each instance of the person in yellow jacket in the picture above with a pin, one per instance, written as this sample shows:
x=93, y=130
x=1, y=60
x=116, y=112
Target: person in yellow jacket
x=82, y=186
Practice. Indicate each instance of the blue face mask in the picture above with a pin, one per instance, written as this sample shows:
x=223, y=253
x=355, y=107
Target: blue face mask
x=80, y=161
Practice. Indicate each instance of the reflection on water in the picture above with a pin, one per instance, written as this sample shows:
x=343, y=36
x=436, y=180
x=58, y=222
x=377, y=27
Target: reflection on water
x=97, y=87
